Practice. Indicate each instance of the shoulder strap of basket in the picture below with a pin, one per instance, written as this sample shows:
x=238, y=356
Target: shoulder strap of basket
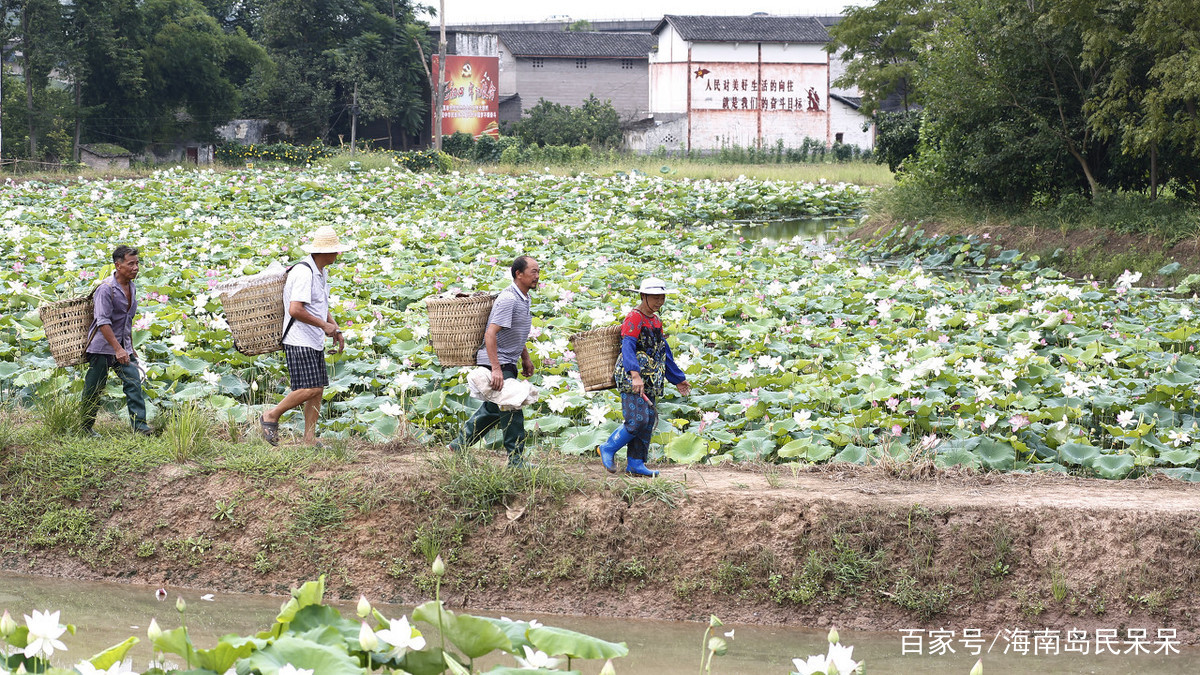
x=292, y=319
x=95, y=328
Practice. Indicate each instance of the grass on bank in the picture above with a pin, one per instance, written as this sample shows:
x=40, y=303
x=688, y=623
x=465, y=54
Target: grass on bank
x=1079, y=237
x=857, y=172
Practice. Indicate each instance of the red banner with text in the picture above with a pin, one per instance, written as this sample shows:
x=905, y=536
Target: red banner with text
x=472, y=102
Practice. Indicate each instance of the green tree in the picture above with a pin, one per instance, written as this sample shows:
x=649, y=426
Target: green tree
x=1005, y=88
x=880, y=45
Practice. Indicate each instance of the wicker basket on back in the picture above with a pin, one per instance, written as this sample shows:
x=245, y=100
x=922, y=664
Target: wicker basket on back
x=596, y=351
x=254, y=311
x=66, y=323
x=456, y=327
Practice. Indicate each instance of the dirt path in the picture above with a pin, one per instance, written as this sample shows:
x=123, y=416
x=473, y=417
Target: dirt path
x=845, y=545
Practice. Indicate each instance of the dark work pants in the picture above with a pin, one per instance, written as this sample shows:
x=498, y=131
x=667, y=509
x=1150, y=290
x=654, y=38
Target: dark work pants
x=490, y=416
x=131, y=382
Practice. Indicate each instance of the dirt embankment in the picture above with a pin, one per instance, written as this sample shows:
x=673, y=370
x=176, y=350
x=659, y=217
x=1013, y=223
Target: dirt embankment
x=843, y=545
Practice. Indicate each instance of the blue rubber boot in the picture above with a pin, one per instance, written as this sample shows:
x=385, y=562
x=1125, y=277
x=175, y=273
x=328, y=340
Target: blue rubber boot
x=608, y=449
x=637, y=467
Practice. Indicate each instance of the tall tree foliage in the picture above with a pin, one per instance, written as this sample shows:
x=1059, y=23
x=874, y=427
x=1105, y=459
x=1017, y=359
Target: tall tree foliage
x=880, y=45
x=1028, y=97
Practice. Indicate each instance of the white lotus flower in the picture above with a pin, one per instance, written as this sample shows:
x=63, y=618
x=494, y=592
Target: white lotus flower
x=289, y=669
x=1008, y=377
x=745, y=370
x=391, y=410
x=803, y=418
x=401, y=637
x=558, y=403
x=405, y=381
x=1125, y=418
x=1128, y=279
x=597, y=414
x=210, y=377
x=44, y=631
x=1110, y=358
x=536, y=660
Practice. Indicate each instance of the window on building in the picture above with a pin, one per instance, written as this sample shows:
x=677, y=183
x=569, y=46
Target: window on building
x=581, y=63
x=837, y=138
x=627, y=64
x=536, y=63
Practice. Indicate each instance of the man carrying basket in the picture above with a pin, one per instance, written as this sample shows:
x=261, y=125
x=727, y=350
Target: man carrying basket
x=503, y=345
x=306, y=322
x=644, y=364
x=111, y=344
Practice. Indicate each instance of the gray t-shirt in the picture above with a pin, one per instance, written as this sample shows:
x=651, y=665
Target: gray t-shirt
x=511, y=313
x=313, y=290
x=113, y=309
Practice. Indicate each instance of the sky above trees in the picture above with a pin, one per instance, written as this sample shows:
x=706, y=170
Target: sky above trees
x=478, y=11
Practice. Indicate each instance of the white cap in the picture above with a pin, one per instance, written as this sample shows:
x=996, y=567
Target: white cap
x=653, y=286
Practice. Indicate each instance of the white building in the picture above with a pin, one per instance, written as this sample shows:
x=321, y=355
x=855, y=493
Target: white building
x=748, y=81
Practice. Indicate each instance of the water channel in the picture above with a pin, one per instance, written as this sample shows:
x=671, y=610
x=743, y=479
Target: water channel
x=106, y=613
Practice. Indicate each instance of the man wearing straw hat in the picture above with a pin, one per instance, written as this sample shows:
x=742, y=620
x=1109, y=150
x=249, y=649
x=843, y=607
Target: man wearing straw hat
x=306, y=322
x=111, y=344
x=503, y=345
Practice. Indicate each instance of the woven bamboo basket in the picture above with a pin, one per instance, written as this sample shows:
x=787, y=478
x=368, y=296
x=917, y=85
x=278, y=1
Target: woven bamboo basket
x=254, y=312
x=456, y=327
x=597, y=351
x=66, y=323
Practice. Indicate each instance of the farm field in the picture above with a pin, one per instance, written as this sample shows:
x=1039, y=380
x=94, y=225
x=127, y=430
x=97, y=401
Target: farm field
x=796, y=354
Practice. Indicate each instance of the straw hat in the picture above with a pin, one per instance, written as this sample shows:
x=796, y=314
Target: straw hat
x=653, y=286
x=325, y=240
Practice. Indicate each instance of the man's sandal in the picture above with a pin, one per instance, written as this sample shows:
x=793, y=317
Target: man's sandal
x=270, y=431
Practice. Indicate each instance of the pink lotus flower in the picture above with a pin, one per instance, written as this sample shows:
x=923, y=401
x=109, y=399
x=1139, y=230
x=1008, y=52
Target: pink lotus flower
x=1018, y=421
x=897, y=429
x=893, y=403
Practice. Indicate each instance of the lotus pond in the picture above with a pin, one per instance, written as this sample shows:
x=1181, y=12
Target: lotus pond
x=108, y=613
x=795, y=355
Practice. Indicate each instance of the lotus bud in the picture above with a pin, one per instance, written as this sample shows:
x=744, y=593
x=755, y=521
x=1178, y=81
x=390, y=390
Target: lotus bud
x=713, y=621
x=608, y=668
x=7, y=625
x=154, y=632
x=833, y=636
x=366, y=638
x=180, y=604
x=717, y=645
x=364, y=607
x=978, y=669
x=439, y=567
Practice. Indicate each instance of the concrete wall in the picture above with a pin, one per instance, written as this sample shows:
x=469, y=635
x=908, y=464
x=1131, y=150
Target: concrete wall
x=101, y=163
x=560, y=80
x=475, y=44
x=748, y=93
x=670, y=134
x=849, y=122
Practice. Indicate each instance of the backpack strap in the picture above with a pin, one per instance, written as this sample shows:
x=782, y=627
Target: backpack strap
x=292, y=319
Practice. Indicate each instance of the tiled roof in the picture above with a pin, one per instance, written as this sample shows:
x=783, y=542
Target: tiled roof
x=758, y=28
x=852, y=101
x=579, y=44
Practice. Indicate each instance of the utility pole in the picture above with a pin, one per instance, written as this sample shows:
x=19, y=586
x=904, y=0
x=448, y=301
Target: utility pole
x=353, y=119
x=440, y=96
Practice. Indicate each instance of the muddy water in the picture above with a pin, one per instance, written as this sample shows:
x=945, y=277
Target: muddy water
x=106, y=613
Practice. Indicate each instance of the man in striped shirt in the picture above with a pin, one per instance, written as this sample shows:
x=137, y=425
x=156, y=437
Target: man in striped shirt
x=503, y=345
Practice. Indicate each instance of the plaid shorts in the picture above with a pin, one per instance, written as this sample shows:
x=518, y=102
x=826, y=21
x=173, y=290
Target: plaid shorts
x=306, y=367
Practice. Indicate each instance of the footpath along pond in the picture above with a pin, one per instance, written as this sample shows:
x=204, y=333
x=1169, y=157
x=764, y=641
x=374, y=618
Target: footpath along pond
x=107, y=613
